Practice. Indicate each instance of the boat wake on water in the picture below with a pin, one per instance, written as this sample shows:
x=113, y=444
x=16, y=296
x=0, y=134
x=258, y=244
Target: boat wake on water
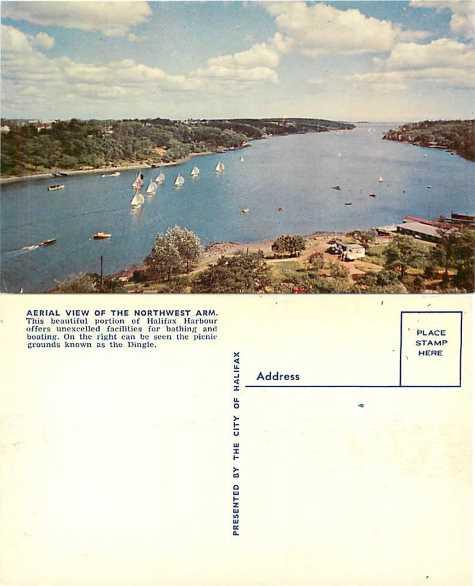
x=21, y=251
x=29, y=248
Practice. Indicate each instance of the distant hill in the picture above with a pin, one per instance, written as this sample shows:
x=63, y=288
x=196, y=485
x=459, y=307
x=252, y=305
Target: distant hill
x=31, y=147
x=453, y=135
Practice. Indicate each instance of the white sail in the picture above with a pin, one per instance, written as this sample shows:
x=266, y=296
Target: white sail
x=219, y=167
x=137, y=184
x=159, y=179
x=152, y=188
x=242, y=159
x=137, y=200
x=380, y=180
x=179, y=181
x=195, y=172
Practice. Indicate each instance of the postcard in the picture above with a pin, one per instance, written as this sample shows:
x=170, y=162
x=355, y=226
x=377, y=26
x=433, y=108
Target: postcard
x=237, y=275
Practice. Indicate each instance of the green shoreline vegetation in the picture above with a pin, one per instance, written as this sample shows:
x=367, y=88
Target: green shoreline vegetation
x=294, y=264
x=290, y=264
x=457, y=136
x=80, y=145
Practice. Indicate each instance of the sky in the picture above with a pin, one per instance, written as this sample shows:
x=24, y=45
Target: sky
x=362, y=60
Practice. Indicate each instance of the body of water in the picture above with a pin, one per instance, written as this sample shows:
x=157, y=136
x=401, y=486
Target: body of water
x=295, y=173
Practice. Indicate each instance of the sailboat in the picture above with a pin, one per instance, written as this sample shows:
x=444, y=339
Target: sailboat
x=179, y=181
x=242, y=159
x=137, y=200
x=220, y=167
x=152, y=188
x=159, y=179
x=137, y=184
x=195, y=172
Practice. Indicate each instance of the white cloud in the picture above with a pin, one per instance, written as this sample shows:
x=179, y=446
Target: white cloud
x=28, y=73
x=409, y=35
x=320, y=28
x=43, y=40
x=33, y=80
x=260, y=55
x=462, y=21
x=442, y=63
x=109, y=18
x=439, y=53
x=255, y=64
x=14, y=41
x=437, y=78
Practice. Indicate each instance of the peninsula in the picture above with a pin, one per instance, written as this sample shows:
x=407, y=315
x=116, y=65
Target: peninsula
x=32, y=147
x=457, y=136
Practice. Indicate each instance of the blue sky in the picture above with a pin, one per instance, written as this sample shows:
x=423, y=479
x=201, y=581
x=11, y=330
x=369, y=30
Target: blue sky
x=372, y=60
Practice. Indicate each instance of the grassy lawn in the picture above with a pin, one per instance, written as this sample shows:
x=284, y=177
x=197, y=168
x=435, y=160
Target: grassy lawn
x=375, y=254
x=287, y=270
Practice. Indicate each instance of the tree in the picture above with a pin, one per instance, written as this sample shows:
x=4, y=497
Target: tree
x=386, y=278
x=243, y=273
x=80, y=283
x=381, y=282
x=418, y=284
x=287, y=243
x=164, y=259
x=444, y=254
x=173, y=252
x=465, y=259
x=317, y=261
x=337, y=270
x=187, y=243
x=331, y=285
x=456, y=250
x=402, y=253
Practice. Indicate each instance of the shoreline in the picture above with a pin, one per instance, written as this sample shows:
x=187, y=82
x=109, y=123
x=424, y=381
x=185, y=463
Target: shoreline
x=213, y=250
x=135, y=165
x=315, y=242
x=108, y=170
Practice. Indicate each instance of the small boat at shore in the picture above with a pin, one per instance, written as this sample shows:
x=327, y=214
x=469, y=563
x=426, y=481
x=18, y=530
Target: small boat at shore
x=280, y=209
x=116, y=174
x=55, y=187
x=101, y=236
x=336, y=188
x=348, y=203
x=244, y=210
x=179, y=181
x=372, y=194
x=47, y=242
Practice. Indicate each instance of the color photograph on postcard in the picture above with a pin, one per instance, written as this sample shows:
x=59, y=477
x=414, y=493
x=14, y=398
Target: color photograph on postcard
x=238, y=147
